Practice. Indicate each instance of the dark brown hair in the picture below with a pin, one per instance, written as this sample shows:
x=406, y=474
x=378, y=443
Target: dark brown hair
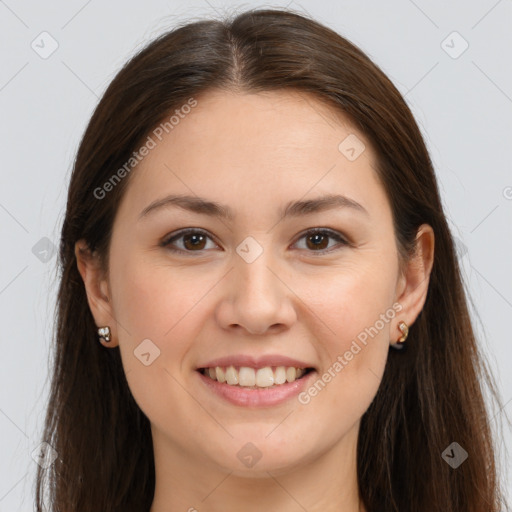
x=431, y=394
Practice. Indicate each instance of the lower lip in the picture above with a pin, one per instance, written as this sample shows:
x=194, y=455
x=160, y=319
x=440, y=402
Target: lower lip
x=263, y=397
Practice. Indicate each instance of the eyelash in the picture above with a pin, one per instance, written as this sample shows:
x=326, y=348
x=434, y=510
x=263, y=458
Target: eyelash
x=323, y=231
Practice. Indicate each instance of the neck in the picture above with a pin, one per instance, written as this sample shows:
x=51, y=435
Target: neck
x=327, y=483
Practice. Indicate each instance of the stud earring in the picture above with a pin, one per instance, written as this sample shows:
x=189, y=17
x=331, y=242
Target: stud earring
x=104, y=332
x=400, y=342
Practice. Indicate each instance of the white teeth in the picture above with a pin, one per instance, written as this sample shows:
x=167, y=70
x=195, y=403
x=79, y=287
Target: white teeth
x=249, y=377
x=280, y=375
x=291, y=373
x=264, y=377
x=220, y=374
x=246, y=376
x=231, y=376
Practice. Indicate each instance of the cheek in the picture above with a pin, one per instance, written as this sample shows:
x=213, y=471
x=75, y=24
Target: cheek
x=156, y=303
x=356, y=309
x=151, y=297
x=353, y=300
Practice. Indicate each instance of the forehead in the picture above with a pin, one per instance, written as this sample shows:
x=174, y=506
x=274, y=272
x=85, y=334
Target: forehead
x=260, y=120
x=250, y=146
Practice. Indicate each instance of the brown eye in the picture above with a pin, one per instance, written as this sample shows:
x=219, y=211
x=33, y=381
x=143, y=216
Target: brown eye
x=193, y=240
x=196, y=240
x=317, y=240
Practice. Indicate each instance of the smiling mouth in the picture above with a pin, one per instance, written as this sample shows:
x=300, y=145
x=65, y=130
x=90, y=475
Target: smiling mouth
x=255, y=378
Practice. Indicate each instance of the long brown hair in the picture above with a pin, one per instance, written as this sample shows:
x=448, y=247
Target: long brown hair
x=431, y=395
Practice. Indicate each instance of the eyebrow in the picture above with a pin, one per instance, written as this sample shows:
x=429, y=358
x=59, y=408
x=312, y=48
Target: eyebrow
x=293, y=209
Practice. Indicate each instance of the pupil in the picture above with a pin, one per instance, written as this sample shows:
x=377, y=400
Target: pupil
x=316, y=238
x=197, y=240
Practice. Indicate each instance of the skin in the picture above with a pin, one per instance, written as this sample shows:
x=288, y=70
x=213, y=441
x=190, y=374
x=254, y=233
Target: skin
x=255, y=153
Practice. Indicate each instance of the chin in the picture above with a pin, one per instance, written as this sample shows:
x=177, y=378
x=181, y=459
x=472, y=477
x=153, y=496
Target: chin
x=254, y=456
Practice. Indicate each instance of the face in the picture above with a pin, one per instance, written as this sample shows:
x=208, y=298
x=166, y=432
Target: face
x=259, y=291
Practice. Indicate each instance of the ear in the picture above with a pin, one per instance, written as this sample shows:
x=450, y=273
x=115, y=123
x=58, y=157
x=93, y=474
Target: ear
x=97, y=290
x=412, y=286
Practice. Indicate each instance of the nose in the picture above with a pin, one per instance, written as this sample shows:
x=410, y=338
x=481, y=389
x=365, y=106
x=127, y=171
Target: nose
x=256, y=298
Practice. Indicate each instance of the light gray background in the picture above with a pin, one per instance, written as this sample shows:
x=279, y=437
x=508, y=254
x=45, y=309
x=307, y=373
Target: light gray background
x=463, y=106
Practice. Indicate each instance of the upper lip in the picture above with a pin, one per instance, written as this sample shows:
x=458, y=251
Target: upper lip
x=255, y=362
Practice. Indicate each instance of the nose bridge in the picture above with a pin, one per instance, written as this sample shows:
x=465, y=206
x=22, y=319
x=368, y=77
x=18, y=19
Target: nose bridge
x=257, y=298
x=253, y=262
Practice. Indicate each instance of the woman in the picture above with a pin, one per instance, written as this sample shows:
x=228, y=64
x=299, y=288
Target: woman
x=260, y=304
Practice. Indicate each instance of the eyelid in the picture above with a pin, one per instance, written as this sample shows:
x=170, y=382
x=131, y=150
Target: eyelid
x=176, y=235
x=332, y=233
